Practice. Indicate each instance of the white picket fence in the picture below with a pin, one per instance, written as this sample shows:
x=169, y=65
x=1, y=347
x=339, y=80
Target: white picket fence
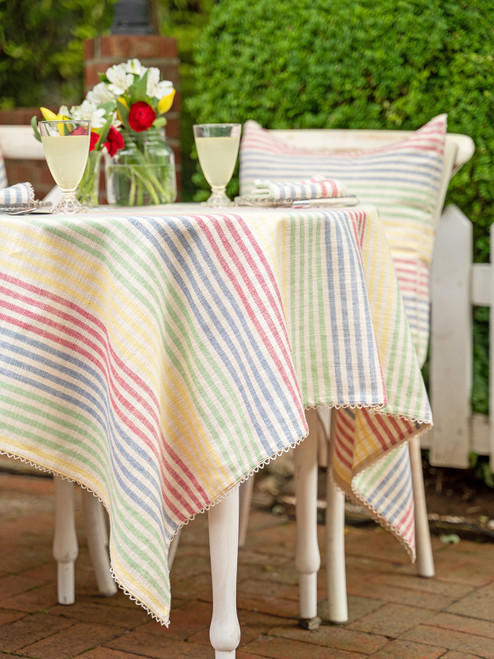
x=457, y=285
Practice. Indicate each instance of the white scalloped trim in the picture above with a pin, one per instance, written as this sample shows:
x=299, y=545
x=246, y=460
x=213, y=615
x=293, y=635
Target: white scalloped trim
x=352, y=493
x=219, y=499
x=44, y=469
x=392, y=528
x=375, y=409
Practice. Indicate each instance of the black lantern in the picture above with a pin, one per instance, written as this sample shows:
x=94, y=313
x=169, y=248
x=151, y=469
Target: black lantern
x=131, y=17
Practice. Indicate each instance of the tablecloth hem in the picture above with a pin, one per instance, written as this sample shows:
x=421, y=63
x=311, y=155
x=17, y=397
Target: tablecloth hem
x=162, y=621
x=376, y=408
x=241, y=480
x=50, y=470
x=360, y=499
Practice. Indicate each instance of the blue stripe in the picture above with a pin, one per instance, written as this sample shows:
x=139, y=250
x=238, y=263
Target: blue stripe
x=345, y=295
x=117, y=447
x=194, y=292
x=395, y=487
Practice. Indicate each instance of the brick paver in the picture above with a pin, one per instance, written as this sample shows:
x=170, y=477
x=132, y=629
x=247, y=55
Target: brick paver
x=393, y=614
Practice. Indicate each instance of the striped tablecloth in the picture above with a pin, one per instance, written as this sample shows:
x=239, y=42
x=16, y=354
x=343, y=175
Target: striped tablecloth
x=160, y=357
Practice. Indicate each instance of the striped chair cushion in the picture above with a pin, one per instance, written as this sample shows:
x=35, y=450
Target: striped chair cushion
x=401, y=179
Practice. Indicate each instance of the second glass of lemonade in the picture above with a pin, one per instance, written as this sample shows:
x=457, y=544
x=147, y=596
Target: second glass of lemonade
x=217, y=149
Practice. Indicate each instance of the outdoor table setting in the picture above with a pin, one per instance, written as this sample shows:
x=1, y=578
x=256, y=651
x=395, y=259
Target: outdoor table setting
x=160, y=355
x=160, y=358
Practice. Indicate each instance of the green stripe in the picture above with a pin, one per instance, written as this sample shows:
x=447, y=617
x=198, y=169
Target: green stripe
x=209, y=408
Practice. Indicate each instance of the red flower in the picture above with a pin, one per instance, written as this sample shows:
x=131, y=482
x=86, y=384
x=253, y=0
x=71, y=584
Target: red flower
x=114, y=142
x=92, y=140
x=141, y=116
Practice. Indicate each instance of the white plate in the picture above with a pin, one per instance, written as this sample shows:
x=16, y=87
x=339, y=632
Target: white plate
x=26, y=207
x=349, y=200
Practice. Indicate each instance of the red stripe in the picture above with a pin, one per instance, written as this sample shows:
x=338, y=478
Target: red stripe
x=342, y=458
x=261, y=276
x=101, y=336
x=113, y=394
x=110, y=375
x=104, y=340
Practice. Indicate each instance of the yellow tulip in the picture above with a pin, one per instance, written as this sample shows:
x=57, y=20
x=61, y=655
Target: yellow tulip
x=125, y=104
x=48, y=115
x=165, y=102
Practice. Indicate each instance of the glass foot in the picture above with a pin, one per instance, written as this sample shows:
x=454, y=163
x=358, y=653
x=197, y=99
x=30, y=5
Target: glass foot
x=218, y=199
x=69, y=205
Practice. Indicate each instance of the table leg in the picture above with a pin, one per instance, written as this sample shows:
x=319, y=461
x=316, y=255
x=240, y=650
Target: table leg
x=245, y=494
x=425, y=559
x=335, y=552
x=97, y=540
x=224, y=631
x=65, y=549
x=307, y=559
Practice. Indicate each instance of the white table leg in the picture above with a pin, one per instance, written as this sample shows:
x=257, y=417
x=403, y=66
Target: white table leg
x=245, y=494
x=307, y=559
x=173, y=548
x=97, y=540
x=335, y=552
x=65, y=549
x=335, y=540
x=224, y=631
x=425, y=559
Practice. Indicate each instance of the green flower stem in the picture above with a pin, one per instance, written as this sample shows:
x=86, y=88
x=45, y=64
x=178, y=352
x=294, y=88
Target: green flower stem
x=143, y=171
x=87, y=190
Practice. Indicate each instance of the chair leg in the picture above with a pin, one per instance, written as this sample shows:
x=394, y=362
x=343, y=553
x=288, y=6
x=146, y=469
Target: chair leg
x=307, y=559
x=173, y=548
x=335, y=552
x=97, y=540
x=224, y=631
x=245, y=494
x=425, y=560
x=65, y=549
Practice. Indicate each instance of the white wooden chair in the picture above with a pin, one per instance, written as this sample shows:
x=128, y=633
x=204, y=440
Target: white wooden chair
x=459, y=149
x=19, y=143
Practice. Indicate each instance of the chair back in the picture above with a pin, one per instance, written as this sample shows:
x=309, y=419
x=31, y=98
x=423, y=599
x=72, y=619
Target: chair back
x=19, y=143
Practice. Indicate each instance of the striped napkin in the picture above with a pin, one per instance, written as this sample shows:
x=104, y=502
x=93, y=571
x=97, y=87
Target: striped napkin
x=316, y=187
x=20, y=193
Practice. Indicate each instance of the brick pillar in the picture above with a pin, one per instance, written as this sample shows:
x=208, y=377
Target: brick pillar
x=151, y=50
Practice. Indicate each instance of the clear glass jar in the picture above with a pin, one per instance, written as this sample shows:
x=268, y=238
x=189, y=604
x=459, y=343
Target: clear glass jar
x=88, y=189
x=142, y=172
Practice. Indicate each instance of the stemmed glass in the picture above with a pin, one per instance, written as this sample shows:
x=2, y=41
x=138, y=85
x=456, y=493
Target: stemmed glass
x=66, y=147
x=217, y=149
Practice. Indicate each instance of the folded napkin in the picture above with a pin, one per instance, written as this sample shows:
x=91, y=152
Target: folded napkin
x=20, y=193
x=311, y=188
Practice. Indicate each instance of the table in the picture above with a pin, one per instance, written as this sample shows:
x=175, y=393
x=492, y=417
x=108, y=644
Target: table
x=160, y=356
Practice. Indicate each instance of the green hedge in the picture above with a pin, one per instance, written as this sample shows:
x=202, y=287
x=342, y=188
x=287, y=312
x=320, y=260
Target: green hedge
x=360, y=64
x=42, y=42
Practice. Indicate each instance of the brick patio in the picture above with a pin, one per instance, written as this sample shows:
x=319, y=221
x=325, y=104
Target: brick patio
x=393, y=613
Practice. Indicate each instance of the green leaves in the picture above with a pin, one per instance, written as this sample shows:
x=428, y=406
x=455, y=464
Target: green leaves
x=123, y=112
x=43, y=49
x=360, y=64
x=34, y=124
x=138, y=89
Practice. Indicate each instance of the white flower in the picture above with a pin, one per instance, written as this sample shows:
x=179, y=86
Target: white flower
x=134, y=66
x=88, y=110
x=64, y=111
x=119, y=79
x=100, y=93
x=156, y=88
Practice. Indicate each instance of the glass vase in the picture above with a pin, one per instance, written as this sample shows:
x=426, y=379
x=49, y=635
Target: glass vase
x=143, y=172
x=88, y=189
